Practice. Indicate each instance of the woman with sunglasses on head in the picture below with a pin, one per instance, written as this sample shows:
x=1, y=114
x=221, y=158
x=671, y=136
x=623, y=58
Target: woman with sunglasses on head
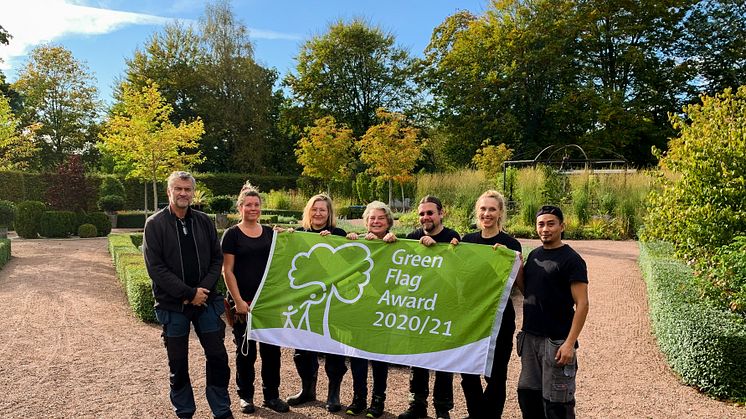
x=318, y=217
x=246, y=248
x=378, y=220
x=489, y=403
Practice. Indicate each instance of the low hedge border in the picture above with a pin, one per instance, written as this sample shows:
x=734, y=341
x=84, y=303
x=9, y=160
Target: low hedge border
x=132, y=274
x=704, y=345
x=4, y=252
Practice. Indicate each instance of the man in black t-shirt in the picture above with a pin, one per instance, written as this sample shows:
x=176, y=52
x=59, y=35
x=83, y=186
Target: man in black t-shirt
x=430, y=211
x=555, y=305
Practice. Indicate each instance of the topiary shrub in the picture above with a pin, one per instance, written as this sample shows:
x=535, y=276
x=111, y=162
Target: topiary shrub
x=4, y=251
x=111, y=203
x=111, y=186
x=101, y=221
x=57, y=224
x=86, y=231
x=221, y=204
x=7, y=213
x=28, y=218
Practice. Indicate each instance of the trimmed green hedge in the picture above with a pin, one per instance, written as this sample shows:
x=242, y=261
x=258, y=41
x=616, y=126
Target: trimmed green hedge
x=704, y=345
x=57, y=224
x=4, y=252
x=132, y=274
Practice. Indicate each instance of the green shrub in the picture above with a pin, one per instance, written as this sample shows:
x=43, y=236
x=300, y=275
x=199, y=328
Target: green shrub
x=110, y=185
x=56, y=224
x=4, y=252
x=140, y=292
x=529, y=185
x=283, y=213
x=131, y=219
x=7, y=213
x=28, y=218
x=268, y=219
x=222, y=204
x=278, y=200
x=723, y=277
x=101, y=221
x=111, y=203
x=704, y=345
x=702, y=202
x=87, y=231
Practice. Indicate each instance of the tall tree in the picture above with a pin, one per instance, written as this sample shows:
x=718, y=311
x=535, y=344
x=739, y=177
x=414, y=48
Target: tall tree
x=209, y=70
x=141, y=135
x=349, y=72
x=390, y=149
x=16, y=141
x=325, y=150
x=714, y=44
x=59, y=92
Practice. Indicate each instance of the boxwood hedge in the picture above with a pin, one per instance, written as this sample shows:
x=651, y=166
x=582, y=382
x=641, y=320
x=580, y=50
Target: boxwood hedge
x=706, y=346
x=4, y=252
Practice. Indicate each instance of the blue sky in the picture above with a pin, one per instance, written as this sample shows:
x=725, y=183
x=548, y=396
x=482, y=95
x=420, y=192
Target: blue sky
x=103, y=33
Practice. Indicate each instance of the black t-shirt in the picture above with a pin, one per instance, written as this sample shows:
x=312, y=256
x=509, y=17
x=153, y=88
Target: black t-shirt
x=188, y=247
x=444, y=236
x=334, y=230
x=508, y=322
x=251, y=255
x=548, y=307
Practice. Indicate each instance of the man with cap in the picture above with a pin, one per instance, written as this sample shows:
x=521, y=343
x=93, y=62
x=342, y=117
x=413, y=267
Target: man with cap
x=554, y=283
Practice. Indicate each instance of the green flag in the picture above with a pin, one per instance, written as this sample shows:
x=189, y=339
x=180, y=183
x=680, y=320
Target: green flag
x=437, y=307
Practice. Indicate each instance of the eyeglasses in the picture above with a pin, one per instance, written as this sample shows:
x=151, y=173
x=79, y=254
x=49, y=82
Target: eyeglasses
x=424, y=213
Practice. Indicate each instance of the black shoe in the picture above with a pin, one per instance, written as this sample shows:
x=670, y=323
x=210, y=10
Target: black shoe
x=247, y=406
x=332, y=399
x=415, y=411
x=307, y=393
x=278, y=405
x=442, y=414
x=357, y=407
x=376, y=407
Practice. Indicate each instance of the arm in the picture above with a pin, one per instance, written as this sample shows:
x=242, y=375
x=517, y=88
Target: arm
x=158, y=271
x=232, y=283
x=579, y=292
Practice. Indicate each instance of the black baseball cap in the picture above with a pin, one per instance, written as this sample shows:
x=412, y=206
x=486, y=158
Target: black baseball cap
x=551, y=209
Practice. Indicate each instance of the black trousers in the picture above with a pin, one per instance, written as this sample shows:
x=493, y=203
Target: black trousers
x=307, y=364
x=359, y=367
x=419, y=387
x=245, y=360
x=490, y=402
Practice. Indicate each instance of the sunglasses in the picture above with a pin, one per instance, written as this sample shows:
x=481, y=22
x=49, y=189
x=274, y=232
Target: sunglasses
x=424, y=213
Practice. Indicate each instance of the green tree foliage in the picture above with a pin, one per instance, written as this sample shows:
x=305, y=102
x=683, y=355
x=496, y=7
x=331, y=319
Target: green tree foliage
x=702, y=201
x=490, y=158
x=16, y=142
x=528, y=74
x=714, y=43
x=325, y=150
x=209, y=71
x=4, y=36
x=141, y=136
x=390, y=149
x=59, y=93
x=349, y=72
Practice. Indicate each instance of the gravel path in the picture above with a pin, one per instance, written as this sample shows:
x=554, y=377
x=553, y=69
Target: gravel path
x=70, y=347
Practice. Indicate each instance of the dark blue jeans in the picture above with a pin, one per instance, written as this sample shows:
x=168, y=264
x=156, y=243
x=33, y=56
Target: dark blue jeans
x=210, y=330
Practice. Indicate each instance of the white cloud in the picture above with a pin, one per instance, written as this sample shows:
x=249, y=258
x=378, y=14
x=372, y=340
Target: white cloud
x=34, y=22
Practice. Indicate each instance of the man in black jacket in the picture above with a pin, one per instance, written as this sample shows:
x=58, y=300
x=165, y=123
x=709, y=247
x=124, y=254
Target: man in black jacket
x=183, y=258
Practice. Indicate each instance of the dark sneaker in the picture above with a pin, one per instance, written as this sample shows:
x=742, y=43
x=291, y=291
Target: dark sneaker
x=357, y=407
x=278, y=405
x=442, y=414
x=415, y=411
x=376, y=407
x=247, y=406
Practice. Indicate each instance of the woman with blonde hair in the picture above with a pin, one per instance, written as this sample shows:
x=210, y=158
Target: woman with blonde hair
x=318, y=217
x=488, y=403
x=246, y=248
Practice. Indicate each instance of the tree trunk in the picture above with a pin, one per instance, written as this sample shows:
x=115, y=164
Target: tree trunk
x=155, y=196
x=145, y=197
x=391, y=194
x=402, y=196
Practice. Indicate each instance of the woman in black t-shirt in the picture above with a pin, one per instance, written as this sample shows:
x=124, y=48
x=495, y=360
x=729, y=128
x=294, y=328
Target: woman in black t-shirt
x=246, y=248
x=318, y=217
x=490, y=218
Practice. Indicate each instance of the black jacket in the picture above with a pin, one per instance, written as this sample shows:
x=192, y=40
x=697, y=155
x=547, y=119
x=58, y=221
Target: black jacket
x=164, y=263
